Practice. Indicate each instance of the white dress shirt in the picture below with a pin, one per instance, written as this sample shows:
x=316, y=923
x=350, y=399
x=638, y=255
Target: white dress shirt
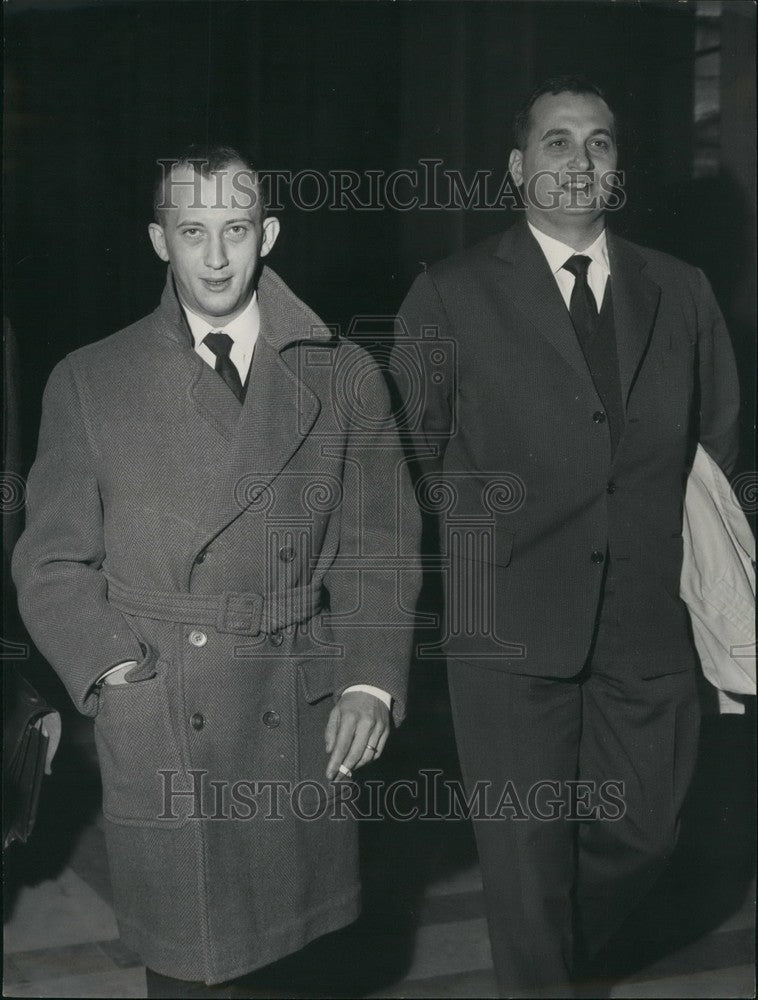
x=557, y=253
x=243, y=330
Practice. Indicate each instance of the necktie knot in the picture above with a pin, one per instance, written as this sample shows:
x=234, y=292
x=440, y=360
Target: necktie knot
x=578, y=265
x=220, y=344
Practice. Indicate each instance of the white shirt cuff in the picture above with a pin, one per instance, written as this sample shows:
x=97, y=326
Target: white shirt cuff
x=368, y=689
x=112, y=670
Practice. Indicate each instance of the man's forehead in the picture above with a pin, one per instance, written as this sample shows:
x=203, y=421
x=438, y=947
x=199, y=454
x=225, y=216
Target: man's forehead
x=571, y=108
x=230, y=188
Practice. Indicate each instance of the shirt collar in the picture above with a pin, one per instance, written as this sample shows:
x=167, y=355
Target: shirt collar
x=557, y=253
x=243, y=328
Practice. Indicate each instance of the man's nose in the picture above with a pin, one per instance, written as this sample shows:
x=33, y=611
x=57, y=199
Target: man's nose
x=215, y=253
x=580, y=159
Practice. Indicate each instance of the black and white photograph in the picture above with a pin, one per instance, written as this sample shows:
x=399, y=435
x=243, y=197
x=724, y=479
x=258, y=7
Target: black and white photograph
x=379, y=498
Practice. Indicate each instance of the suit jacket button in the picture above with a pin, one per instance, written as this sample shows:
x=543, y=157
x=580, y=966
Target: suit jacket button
x=271, y=719
x=276, y=638
x=598, y=556
x=197, y=721
x=198, y=638
x=286, y=553
x=610, y=488
x=200, y=557
x=599, y=417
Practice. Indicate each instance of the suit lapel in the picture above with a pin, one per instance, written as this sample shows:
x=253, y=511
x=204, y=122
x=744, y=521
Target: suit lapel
x=532, y=289
x=635, y=304
x=530, y=286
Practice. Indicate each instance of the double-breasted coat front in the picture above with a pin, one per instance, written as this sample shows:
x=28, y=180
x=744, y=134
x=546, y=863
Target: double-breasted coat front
x=254, y=561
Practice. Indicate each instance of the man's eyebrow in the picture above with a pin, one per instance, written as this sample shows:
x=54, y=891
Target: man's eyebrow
x=201, y=225
x=565, y=131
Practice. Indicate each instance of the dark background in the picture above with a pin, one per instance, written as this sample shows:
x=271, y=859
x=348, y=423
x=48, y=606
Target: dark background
x=95, y=92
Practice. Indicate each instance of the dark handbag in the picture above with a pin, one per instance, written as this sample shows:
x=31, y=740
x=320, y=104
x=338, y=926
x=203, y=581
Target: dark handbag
x=24, y=753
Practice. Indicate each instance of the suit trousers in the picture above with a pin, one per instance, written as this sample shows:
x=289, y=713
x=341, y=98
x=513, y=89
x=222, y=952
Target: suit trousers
x=558, y=882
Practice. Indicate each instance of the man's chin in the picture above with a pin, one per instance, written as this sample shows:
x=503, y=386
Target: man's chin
x=572, y=214
x=581, y=204
x=570, y=205
x=216, y=307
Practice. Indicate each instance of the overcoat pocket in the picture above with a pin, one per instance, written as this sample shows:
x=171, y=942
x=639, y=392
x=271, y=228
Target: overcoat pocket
x=316, y=684
x=316, y=678
x=138, y=752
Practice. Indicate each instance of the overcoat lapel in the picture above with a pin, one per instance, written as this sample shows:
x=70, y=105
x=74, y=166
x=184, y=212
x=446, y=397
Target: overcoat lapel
x=208, y=393
x=214, y=400
x=277, y=415
x=635, y=304
x=531, y=287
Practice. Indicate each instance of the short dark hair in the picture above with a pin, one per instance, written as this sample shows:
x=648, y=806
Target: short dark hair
x=568, y=84
x=207, y=159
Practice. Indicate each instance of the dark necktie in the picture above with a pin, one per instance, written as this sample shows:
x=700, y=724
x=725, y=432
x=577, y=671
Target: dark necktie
x=583, y=307
x=221, y=345
x=597, y=338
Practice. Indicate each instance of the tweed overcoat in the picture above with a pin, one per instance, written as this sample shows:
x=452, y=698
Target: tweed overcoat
x=254, y=560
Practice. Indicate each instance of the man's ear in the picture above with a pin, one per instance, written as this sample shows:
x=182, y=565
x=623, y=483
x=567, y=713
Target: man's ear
x=158, y=239
x=516, y=166
x=270, y=233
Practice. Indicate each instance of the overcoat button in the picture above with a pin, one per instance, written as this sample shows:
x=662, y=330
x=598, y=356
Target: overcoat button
x=198, y=638
x=197, y=721
x=598, y=556
x=610, y=488
x=271, y=719
x=599, y=417
x=286, y=553
x=276, y=638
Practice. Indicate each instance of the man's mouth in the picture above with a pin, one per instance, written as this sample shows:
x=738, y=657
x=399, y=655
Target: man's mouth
x=577, y=185
x=216, y=284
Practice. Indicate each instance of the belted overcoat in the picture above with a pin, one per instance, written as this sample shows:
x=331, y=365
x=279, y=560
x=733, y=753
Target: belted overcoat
x=254, y=560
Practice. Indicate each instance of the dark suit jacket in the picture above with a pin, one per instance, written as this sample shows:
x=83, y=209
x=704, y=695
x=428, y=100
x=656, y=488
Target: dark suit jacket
x=533, y=502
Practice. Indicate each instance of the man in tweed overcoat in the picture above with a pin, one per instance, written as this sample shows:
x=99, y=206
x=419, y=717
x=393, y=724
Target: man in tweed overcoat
x=220, y=538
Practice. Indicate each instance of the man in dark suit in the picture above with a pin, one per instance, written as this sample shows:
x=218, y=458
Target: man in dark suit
x=581, y=371
x=197, y=475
